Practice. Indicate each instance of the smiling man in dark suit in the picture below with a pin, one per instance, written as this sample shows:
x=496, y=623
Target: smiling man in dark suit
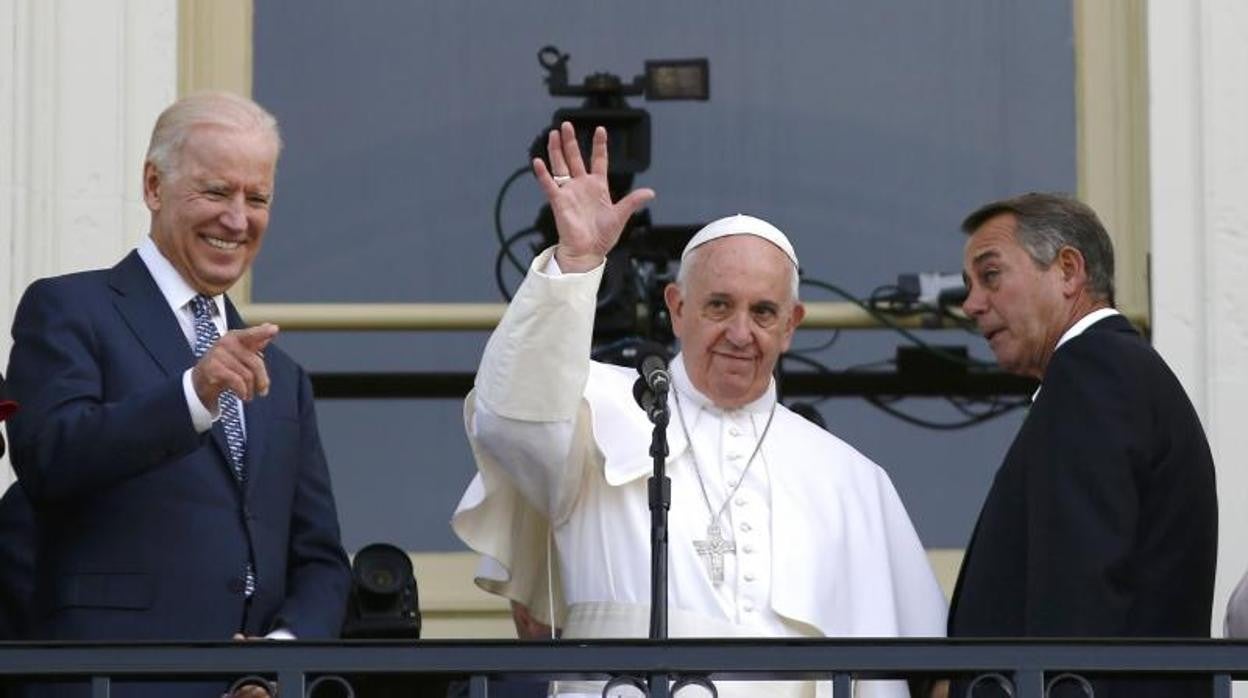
x=1102, y=522
x=170, y=452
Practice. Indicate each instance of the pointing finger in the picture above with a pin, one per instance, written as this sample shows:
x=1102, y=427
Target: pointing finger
x=258, y=337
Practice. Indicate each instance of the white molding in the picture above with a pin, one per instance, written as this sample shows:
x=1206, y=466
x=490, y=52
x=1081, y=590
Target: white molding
x=1198, y=57
x=79, y=92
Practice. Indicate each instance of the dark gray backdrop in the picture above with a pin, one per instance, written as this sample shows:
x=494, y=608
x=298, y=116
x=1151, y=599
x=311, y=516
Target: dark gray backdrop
x=865, y=130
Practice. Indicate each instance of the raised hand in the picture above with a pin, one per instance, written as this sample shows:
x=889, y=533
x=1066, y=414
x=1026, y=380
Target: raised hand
x=235, y=363
x=589, y=223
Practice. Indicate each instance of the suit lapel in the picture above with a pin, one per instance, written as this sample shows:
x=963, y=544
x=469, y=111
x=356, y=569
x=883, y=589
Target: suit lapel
x=255, y=413
x=147, y=314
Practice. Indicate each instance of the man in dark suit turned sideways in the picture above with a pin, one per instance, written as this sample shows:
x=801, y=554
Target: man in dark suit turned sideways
x=171, y=453
x=1102, y=521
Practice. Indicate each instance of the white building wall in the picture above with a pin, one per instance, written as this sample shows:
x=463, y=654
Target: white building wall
x=81, y=83
x=1198, y=57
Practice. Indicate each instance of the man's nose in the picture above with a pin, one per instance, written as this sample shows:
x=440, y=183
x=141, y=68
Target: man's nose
x=975, y=303
x=235, y=216
x=738, y=331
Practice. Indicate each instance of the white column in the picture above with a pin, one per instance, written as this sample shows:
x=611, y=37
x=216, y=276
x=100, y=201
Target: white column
x=1198, y=57
x=80, y=88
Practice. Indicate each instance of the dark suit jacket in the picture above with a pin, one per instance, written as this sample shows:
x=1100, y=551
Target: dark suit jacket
x=1102, y=522
x=17, y=563
x=143, y=531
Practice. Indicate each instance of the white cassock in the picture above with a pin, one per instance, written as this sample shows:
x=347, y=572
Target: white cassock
x=823, y=545
x=1236, y=621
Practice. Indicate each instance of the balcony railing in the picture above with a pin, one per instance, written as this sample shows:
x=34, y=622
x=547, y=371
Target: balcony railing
x=1027, y=666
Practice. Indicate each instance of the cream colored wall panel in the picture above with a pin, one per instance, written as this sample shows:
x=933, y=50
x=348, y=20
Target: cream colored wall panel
x=452, y=606
x=1112, y=124
x=468, y=626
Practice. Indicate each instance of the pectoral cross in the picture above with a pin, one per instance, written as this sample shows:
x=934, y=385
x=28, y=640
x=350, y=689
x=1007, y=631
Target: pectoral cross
x=713, y=549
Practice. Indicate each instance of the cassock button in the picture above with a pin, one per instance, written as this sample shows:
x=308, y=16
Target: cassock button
x=734, y=456
x=748, y=608
x=740, y=501
x=732, y=483
x=748, y=549
x=733, y=431
x=749, y=577
x=745, y=528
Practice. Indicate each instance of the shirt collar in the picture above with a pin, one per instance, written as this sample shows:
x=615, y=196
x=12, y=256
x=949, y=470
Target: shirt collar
x=680, y=379
x=1084, y=323
x=1077, y=329
x=172, y=286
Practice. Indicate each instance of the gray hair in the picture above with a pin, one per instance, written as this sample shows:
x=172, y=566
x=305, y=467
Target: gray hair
x=223, y=109
x=682, y=274
x=1048, y=222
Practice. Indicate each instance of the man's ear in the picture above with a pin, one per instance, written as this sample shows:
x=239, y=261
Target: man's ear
x=675, y=301
x=1074, y=270
x=152, y=186
x=795, y=319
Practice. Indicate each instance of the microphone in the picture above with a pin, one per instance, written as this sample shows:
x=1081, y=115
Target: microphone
x=649, y=401
x=652, y=365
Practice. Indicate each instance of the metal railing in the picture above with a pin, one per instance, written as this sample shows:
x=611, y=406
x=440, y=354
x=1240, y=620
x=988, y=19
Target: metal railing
x=1025, y=667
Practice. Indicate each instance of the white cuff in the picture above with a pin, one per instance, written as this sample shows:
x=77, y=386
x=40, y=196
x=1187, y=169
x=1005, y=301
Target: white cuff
x=201, y=417
x=281, y=634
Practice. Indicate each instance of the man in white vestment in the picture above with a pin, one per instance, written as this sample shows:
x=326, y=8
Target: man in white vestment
x=777, y=528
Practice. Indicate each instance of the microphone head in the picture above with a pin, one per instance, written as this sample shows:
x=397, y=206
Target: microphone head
x=643, y=395
x=649, y=354
x=652, y=365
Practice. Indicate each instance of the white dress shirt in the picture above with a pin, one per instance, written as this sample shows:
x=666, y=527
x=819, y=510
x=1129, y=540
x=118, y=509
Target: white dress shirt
x=178, y=294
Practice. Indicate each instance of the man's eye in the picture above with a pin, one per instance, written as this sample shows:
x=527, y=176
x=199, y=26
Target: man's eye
x=716, y=308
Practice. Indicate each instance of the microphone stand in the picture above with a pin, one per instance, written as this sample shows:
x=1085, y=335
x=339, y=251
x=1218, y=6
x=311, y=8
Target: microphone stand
x=660, y=487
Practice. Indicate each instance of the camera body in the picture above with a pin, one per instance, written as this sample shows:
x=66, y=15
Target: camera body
x=384, y=603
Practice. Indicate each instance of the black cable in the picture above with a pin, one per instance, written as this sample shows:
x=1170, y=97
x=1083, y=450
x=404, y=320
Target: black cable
x=887, y=321
x=941, y=426
x=884, y=404
x=504, y=251
x=885, y=299
x=960, y=321
x=498, y=224
x=995, y=404
x=817, y=365
x=836, y=334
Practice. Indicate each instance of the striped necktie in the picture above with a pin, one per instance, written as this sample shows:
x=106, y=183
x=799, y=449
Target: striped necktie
x=231, y=407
